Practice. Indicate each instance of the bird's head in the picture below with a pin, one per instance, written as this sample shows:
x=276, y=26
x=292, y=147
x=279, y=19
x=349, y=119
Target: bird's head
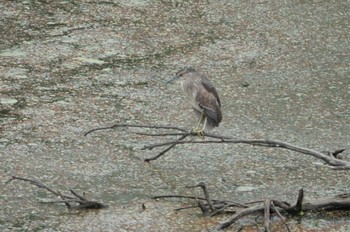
x=181, y=74
x=184, y=71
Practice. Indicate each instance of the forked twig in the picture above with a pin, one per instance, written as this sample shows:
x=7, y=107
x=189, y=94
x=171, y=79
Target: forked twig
x=173, y=144
x=279, y=215
x=206, y=194
x=331, y=158
x=136, y=126
x=268, y=207
x=82, y=202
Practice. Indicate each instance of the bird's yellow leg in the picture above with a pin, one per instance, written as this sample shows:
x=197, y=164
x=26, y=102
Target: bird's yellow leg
x=200, y=121
x=200, y=131
x=205, y=123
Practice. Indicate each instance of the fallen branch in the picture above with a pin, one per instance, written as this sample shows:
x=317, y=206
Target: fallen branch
x=218, y=205
x=331, y=158
x=80, y=201
x=136, y=126
x=338, y=202
x=268, y=208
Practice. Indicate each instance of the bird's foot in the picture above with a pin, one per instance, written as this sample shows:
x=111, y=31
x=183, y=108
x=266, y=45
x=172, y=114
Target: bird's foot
x=198, y=131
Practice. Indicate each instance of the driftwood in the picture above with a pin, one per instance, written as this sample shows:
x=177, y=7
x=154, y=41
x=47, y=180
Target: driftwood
x=76, y=201
x=330, y=158
x=267, y=207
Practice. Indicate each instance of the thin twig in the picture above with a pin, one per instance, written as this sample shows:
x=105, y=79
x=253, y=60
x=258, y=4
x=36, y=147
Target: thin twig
x=221, y=210
x=136, y=126
x=159, y=135
x=78, y=195
x=238, y=215
x=177, y=196
x=206, y=194
x=167, y=149
x=267, y=205
x=299, y=204
x=67, y=200
x=215, y=202
x=38, y=184
x=280, y=215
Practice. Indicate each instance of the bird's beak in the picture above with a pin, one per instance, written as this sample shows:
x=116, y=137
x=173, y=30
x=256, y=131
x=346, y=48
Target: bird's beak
x=173, y=79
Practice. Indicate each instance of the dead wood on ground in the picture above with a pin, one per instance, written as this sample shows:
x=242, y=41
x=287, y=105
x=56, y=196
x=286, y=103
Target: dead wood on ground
x=268, y=207
x=74, y=201
x=330, y=158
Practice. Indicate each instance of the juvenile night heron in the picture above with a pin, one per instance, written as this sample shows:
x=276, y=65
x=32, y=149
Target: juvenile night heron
x=203, y=97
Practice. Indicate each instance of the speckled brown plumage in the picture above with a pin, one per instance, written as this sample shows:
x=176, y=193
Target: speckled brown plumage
x=202, y=95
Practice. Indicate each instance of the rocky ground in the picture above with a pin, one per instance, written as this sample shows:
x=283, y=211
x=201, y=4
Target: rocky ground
x=281, y=69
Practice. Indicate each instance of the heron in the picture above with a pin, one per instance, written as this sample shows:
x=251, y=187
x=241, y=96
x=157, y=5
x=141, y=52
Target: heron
x=203, y=97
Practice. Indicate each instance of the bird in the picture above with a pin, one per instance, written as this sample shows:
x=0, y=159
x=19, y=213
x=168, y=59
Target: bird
x=203, y=97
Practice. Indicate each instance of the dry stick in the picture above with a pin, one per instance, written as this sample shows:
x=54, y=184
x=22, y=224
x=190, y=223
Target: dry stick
x=339, y=164
x=69, y=206
x=337, y=152
x=202, y=206
x=40, y=185
x=83, y=202
x=173, y=144
x=159, y=135
x=267, y=205
x=78, y=195
x=221, y=209
x=217, y=203
x=206, y=194
x=338, y=202
x=329, y=159
x=296, y=209
x=238, y=215
x=299, y=204
x=280, y=215
x=189, y=207
x=283, y=205
x=176, y=196
x=136, y=126
x=167, y=149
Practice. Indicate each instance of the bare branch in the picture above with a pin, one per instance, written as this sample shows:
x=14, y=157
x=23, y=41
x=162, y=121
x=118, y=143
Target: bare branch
x=83, y=203
x=279, y=215
x=206, y=194
x=38, y=184
x=267, y=207
x=158, y=135
x=238, y=215
x=337, y=163
x=339, y=202
x=173, y=144
x=331, y=159
x=136, y=126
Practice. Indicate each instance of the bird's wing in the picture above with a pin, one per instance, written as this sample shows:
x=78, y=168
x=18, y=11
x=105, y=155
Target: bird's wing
x=209, y=101
x=210, y=88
